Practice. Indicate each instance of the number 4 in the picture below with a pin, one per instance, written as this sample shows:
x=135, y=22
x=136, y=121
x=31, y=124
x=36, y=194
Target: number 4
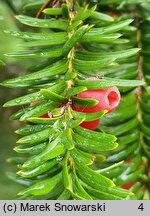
x=141, y=207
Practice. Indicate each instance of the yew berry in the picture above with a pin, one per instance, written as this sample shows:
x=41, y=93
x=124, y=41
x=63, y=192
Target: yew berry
x=108, y=99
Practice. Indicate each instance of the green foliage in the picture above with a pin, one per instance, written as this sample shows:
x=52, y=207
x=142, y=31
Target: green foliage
x=61, y=160
x=6, y=22
x=130, y=121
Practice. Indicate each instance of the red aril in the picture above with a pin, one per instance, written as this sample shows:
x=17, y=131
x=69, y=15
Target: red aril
x=92, y=125
x=108, y=99
x=128, y=185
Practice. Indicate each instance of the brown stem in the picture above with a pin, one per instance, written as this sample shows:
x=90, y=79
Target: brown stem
x=45, y=5
x=140, y=61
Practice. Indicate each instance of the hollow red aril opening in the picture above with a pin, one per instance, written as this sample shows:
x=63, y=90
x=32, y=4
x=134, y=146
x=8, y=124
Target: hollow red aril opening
x=113, y=99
